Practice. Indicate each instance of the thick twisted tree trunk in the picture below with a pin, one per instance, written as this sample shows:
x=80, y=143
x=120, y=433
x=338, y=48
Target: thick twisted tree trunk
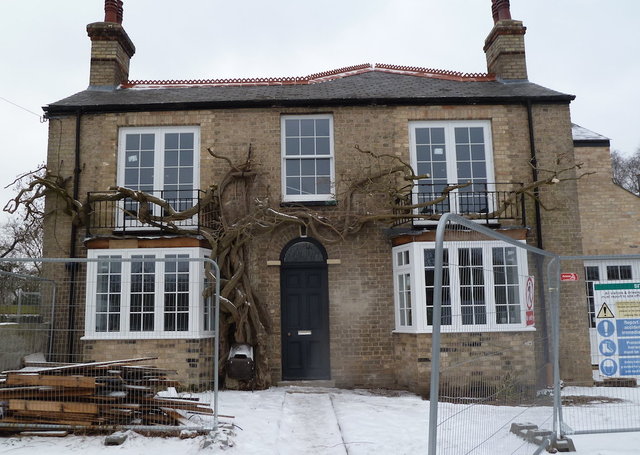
x=236, y=216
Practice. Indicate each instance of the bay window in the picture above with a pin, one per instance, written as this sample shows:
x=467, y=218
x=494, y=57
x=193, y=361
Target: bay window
x=483, y=286
x=402, y=268
x=153, y=293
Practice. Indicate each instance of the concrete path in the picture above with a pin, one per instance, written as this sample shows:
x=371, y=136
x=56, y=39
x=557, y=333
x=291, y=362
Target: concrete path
x=309, y=425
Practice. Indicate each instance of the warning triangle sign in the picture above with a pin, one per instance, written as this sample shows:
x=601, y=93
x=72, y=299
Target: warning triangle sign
x=605, y=312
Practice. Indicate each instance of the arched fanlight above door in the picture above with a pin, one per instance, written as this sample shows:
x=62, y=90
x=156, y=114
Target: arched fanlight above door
x=304, y=250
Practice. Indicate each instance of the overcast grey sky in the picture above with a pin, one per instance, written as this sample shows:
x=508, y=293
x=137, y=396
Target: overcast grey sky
x=589, y=48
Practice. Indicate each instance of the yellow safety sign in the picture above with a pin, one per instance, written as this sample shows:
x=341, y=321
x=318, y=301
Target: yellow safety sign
x=605, y=312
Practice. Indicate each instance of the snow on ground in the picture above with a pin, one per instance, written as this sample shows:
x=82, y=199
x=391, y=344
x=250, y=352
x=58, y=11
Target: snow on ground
x=301, y=421
x=321, y=430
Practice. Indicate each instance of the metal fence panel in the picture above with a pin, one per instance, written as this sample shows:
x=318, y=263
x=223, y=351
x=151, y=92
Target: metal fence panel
x=26, y=313
x=485, y=379
x=492, y=342
x=612, y=294
x=103, y=342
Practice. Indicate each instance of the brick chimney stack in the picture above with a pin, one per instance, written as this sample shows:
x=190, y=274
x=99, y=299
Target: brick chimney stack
x=504, y=47
x=111, y=48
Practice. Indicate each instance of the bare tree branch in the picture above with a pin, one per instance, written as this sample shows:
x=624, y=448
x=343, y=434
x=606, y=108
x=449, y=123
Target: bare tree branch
x=381, y=191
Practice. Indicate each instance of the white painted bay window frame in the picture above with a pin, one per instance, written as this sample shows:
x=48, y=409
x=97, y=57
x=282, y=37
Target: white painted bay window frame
x=404, y=285
x=419, y=304
x=199, y=315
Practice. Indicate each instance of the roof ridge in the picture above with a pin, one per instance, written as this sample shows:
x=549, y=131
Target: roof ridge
x=436, y=73
x=317, y=77
x=340, y=71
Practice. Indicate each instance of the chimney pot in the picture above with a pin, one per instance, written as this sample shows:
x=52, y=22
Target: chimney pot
x=500, y=9
x=113, y=11
x=120, y=11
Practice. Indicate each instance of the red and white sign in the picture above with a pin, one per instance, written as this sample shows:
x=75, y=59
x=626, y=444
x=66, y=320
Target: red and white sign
x=529, y=295
x=568, y=277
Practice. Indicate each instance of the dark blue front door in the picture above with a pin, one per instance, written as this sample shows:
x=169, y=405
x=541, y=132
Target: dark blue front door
x=305, y=319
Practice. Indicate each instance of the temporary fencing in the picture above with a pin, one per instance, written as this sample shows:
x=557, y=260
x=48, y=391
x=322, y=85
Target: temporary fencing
x=108, y=342
x=492, y=341
x=613, y=320
x=497, y=385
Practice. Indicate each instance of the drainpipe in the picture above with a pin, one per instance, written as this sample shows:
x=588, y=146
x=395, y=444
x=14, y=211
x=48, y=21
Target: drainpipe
x=72, y=267
x=534, y=172
x=548, y=367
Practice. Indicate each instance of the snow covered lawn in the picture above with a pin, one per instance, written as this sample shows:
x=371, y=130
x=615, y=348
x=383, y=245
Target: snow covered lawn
x=301, y=421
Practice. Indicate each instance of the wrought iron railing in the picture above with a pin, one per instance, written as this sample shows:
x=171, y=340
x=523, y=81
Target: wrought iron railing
x=125, y=215
x=487, y=202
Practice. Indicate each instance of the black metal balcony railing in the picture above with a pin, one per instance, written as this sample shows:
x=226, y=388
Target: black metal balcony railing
x=482, y=201
x=107, y=213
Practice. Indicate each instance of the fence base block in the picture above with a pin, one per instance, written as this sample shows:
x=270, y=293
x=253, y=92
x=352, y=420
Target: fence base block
x=116, y=439
x=564, y=445
x=530, y=432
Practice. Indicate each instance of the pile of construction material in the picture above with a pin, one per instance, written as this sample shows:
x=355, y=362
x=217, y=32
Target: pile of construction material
x=92, y=396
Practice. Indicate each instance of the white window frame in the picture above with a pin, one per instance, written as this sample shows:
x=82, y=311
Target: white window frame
x=197, y=303
x=158, y=166
x=318, y=197
x=418, y=284
x=451, y=162
x=403, y=268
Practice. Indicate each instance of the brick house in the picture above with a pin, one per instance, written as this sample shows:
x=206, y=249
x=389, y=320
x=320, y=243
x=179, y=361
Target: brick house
x=153, y=135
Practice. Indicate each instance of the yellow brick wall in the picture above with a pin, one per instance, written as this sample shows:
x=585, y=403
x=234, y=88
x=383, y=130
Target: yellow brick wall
x=363, y=351
x=188, y=361
x=478, y=361
x=609, y=214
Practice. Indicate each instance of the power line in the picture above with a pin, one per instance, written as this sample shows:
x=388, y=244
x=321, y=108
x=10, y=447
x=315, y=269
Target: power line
x=42, y=119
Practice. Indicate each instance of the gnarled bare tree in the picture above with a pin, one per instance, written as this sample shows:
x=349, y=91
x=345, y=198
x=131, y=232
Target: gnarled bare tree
x=380, y=193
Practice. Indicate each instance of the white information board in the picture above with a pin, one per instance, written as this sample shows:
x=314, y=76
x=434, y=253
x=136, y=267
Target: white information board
x=618, y=327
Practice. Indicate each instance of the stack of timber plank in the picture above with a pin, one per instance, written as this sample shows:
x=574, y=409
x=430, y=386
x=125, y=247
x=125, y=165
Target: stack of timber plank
x=92, y=395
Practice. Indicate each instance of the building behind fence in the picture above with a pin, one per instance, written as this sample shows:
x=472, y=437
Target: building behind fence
x=517, y=380
x=63, y=367
x=105, y=309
